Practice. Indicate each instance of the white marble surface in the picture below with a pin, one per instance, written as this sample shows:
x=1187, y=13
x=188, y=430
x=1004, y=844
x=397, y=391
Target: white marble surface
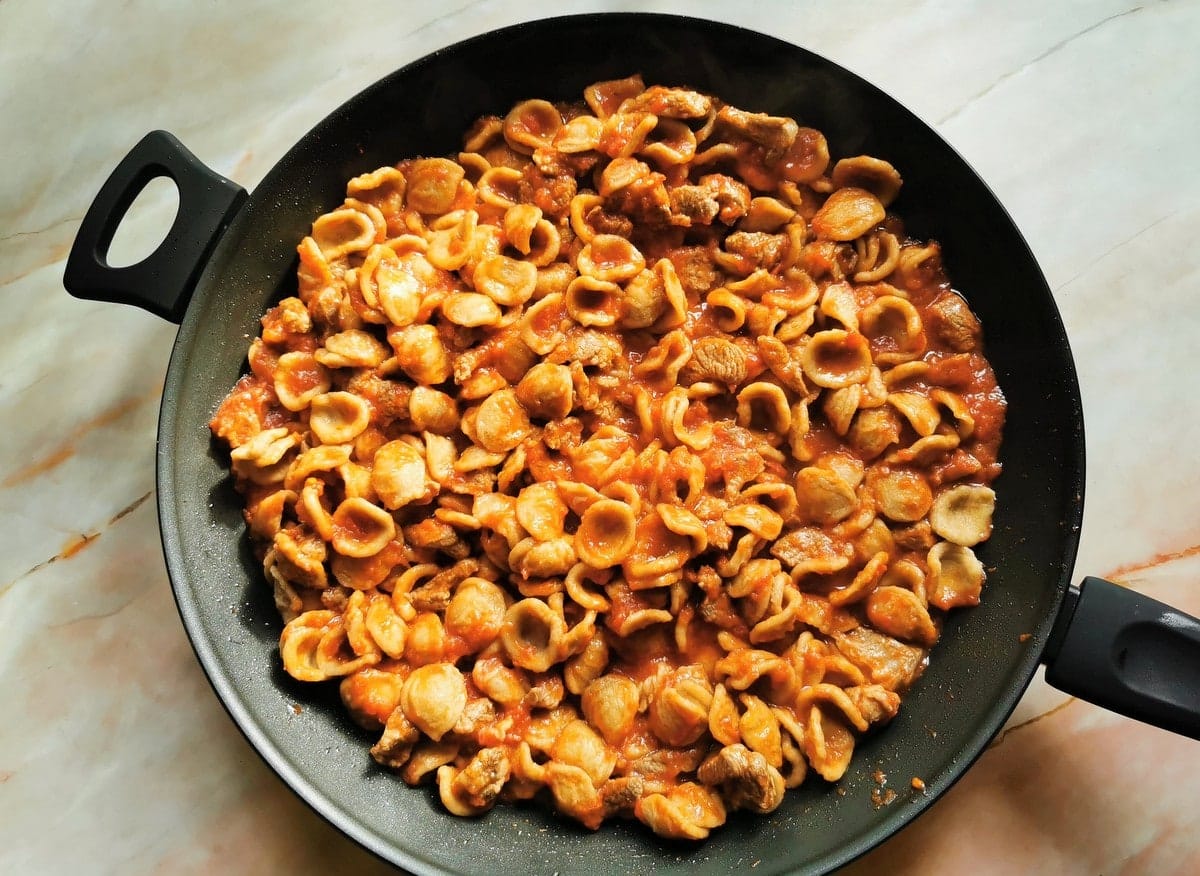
x=115, y=756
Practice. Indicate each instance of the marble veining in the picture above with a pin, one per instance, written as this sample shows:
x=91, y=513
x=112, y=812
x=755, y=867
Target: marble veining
x=115, y=756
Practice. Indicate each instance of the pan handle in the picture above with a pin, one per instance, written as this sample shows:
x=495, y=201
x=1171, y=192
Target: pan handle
x=162, y=283
x=1129, y=653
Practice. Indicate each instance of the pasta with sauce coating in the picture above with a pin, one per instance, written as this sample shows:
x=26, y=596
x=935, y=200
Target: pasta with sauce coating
x=629, y=458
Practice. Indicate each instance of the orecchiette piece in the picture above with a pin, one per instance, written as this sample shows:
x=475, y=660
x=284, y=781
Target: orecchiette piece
x=532, y=635
x=531, y=558
x=765, y=406
x=610, y=258
x=822, y=496
x=847, y=213
x=476, y=612
x=835, y=358
x=610, y=704
x=299, y=378
x=541, y=511
x=298, y=645
x=502, y=423
x=828, y=744
x=594, y=302
x=575, y=794
x=900, y=613
x=901, y=494
x=688, y=811
x=396, y=287
x=353, y=348
x=963, y=514
x=452, y=240
x=398, y=474
x=867, y=172
x=433, y=698
x=679, y=712
x=360, y=528
x=266, y=458
x=433, y=185
x=506, y=281
x=759, y=730
x=955, y=576
x=371, y=696
x=343, y=231
x=547, y=391
x=432, y=410
x=338, y=417
x=499, y=186
x=606, y=534
x=532, y=124
x=421, y=353
x=471, y=309
x=920, y=412
x=894, y=325
x=581, y=746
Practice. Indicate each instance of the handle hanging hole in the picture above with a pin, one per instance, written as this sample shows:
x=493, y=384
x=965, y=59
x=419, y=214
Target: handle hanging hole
x=145, y=224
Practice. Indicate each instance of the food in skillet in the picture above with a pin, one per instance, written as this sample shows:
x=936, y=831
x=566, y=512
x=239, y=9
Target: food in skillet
x=629, y=458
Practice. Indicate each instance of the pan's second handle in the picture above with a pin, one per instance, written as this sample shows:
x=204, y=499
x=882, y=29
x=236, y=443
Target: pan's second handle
x=163, y=281
x=1129, y=653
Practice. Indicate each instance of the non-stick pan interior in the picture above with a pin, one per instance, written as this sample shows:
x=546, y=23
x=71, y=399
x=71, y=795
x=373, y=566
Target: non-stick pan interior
x=977, y=672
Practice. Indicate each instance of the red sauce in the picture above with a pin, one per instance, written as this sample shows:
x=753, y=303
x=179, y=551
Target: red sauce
x=614, y=389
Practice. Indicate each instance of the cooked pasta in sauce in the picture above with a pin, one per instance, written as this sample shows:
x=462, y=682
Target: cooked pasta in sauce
x=628, y=459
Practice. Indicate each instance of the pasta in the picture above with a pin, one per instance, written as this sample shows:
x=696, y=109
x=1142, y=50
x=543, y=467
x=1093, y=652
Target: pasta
x=628, y=459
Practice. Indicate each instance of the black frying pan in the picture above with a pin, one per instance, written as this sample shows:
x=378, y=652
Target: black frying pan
x=227, y=256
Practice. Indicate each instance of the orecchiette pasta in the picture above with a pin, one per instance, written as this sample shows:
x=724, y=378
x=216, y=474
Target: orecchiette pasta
x=629, y=459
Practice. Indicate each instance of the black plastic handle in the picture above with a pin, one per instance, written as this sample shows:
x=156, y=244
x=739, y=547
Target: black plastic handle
x=1129, y=653
x=162, y=283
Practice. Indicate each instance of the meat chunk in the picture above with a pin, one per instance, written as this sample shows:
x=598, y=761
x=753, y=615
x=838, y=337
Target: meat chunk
x=886, y=661
x=245, y=411
x=695, y=269
x=758, y=247
x=915, y=537
x=779, y=359
x=602, y=221
x=620, y=794
x=483, y=778
x=733, y=455
x=587, y=347
x=546, y=693
x=434, y=594
x=552, y=193
x=629, y=186
x=876, y=703
x=810, y=548
x=433, y=534
x=693, y=205
x=718, y=608
x=395, y=746
x=951, y=321
x=563, y=433
x=388, y=398
x=717, y=360
x=775, y=133
x=478, y=713
x=732, y=196
x=673, y=103
x=747, y=781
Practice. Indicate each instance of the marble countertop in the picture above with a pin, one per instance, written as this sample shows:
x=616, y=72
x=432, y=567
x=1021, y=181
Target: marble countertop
x=115, y=755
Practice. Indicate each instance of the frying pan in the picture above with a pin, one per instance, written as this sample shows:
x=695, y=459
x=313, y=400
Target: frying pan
x=229, y=255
